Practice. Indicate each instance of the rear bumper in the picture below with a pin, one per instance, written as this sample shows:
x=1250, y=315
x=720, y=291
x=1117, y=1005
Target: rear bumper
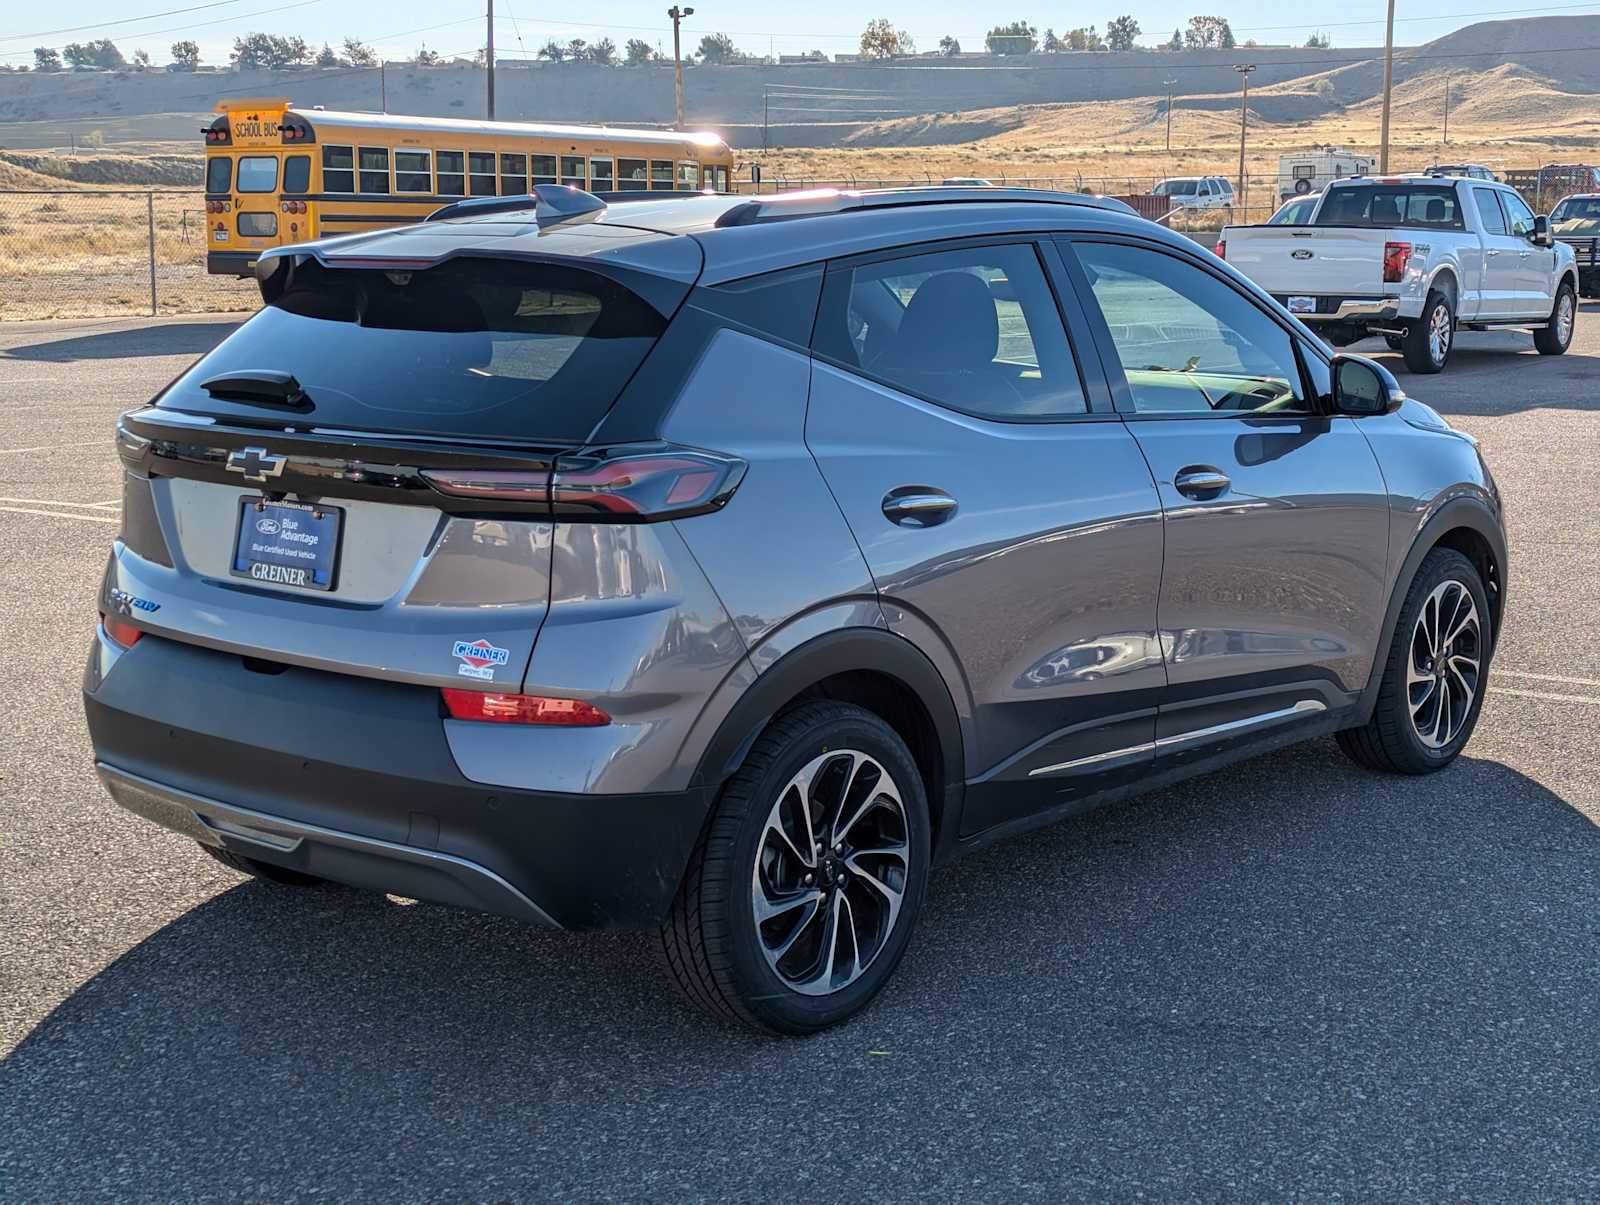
x=352, y=780
x=231, y=263
x=1346, y=309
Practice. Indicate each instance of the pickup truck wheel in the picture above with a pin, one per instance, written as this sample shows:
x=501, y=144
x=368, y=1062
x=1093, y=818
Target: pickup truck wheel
x=1554, y=338
x=1428, y=340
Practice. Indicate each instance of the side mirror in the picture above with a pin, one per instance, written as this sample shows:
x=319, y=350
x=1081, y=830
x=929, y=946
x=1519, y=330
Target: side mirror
x=1541, y=232
x=1362, y=386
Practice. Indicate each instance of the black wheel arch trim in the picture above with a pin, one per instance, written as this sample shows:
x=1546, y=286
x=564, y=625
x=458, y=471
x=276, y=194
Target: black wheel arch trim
x=859, y=649
x=1462, y=511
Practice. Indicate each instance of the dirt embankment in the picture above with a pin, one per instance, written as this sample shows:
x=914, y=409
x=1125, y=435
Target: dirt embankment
x=45, y=171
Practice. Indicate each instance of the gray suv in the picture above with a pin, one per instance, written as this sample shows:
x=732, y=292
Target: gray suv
x=722, y=565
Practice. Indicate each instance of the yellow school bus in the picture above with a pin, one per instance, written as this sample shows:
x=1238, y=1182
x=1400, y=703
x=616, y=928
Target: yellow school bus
x=276, y=174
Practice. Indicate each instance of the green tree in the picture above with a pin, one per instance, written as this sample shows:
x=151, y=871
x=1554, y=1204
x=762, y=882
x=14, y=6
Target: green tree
x=552, y=51
x=99, y=53
x=717, y=49
x=1051, y=43
x=1121, y=32
x=604, y=51
x=1210, y=33
x=1016, y=38
x=881, y=40
x=186, y=55
x=1318, y=41
x=46, y=59
x=1177, y=41
x=141, y=60
x=638, y=52
x=358, y=54
x=578, y=50
x=949, y=47
x=1085, y=37
x=326, y=57
x=269, y=52
x=425, y=57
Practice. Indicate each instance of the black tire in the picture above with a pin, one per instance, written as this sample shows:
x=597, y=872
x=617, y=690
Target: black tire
x=710, y=944
x=1548, y=338
x=1389, y=741
x=279, y=876
x=1395, y=342
x=1417, y=347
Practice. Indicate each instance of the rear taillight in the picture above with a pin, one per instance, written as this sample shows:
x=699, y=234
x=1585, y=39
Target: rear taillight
x=1221, y=248
x=1395, y=258
x=625, y=484
x=496, y=708
x=119, y=632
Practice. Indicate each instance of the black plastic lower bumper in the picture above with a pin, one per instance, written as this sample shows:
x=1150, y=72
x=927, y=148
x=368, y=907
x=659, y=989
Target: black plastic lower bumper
x=352, y=779
x=231, y=263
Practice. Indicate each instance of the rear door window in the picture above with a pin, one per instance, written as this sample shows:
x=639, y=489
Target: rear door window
x=297, y=173
x=1397, y=205
x=258, y=173
x=472, y=348
x=1494, y=222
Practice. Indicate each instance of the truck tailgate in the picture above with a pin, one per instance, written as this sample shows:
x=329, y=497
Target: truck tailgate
x=1309, y=261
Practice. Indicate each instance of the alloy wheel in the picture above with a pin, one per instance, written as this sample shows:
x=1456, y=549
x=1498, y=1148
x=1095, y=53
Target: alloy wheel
x=1439, y=333
x=1445, y=663
x=831, y=871
x=1564, y=318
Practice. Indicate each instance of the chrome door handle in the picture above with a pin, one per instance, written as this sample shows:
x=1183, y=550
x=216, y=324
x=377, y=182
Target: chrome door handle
x=1490, y=254
x=918, y=506
x=1524, y=254
x=1201, y=481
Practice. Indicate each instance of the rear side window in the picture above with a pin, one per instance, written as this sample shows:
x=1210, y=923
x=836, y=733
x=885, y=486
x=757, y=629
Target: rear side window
x=258, y=173
x=338, y=169
x=452, y=173
x=297, y=173
x=474, y=348
x=374, y=169
x=1494, y=222
x=1188, y=342
x=1399, y=205
x=974, y=329
x=219, y=173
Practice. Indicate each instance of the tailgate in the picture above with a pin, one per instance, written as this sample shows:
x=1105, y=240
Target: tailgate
x=1309, y=261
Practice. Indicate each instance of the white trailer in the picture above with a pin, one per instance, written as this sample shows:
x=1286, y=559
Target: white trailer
x=1312, y=171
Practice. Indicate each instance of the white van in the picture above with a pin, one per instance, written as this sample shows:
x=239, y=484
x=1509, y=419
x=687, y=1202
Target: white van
x=1311, y=171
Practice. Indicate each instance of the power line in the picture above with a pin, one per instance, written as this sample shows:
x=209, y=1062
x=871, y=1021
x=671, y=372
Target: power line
x=171, y=12
x=151, y=33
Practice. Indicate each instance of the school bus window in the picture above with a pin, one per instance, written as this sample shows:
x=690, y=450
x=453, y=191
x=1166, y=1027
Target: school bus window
x=258, y=225
x=544, y=169
x=688, y=176
x=297, y=173
x=411, y=171
x=481, y=170
x=258, y=173
x=600, y=175
x=219, y=173
x=661, y=175
x=572, y=171
x=630, y=175
x=452, y=173
x=338, y=169
x=513, y=175
x=717, y=177
x=374, y=169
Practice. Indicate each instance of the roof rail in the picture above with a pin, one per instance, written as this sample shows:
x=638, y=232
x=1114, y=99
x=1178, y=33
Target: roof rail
x=819, y=201
x=551, y=203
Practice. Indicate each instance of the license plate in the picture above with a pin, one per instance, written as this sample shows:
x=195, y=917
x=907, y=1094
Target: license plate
x=1302, y=305
x=288, y=543
x=221, y=236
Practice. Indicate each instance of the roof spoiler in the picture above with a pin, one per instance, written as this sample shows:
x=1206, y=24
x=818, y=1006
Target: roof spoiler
x=552, y=204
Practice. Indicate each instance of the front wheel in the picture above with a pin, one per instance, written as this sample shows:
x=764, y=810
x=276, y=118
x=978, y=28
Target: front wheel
x=1555, y=337
x=801, y=897
x=1427, y=342
x=1435, y=673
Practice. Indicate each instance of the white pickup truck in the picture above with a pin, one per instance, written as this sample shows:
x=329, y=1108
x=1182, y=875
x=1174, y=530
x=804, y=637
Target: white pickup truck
x=1414, y=259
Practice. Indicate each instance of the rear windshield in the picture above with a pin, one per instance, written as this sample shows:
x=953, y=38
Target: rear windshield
x=1576, y=215
x=1176, y=188
x=475, y=348
x=1400, y=205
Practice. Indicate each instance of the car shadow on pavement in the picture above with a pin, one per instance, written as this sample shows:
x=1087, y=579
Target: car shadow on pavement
x=1498, y=372
x=1290, y=978
x=157, y=339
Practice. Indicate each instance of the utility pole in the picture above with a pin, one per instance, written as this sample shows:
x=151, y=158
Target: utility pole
x=383, y=88
x=488, y=68
x=1244, y=70
x=678, y=14
x=1169, y=83
x=1388, y=89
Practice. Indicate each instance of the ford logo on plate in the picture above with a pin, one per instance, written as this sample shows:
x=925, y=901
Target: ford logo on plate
x=1301, y=253
x=267, y=526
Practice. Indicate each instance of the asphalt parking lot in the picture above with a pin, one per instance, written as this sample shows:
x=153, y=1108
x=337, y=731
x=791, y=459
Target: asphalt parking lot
x=1289, y=979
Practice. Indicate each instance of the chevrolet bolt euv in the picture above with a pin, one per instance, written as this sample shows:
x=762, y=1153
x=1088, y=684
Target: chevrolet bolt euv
x=722, y=565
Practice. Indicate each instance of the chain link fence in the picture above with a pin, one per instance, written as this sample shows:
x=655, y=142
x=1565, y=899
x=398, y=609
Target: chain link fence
x=98, y=253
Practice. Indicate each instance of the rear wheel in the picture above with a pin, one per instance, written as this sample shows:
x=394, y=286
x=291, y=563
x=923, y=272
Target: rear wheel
x=1555, y=337
x=1428, y=340
x=802, y=895
x=1435, y=673
x=281, y=876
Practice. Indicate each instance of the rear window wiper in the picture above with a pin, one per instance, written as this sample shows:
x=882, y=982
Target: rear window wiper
x=259, y=387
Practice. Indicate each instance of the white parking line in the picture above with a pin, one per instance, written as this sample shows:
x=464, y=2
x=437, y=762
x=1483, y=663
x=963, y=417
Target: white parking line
x=98, y=443
x=59, y=514
x=1512, y=673
x=1543, y=694
x=61, y=502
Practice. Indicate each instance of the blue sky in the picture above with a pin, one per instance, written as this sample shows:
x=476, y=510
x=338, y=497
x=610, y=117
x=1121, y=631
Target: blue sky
x=398, y=27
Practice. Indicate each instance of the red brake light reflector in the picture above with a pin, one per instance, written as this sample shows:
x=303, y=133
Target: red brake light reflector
x=120, y=632
x=497, y=708
x=1395, y=258
x=1221, y=248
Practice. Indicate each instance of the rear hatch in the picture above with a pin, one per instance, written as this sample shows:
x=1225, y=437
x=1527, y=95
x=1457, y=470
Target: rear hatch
x=1309, y=261
x=359, y=478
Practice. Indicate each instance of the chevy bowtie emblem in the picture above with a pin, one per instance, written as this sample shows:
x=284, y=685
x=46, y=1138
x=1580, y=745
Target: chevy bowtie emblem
x=257, y=464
